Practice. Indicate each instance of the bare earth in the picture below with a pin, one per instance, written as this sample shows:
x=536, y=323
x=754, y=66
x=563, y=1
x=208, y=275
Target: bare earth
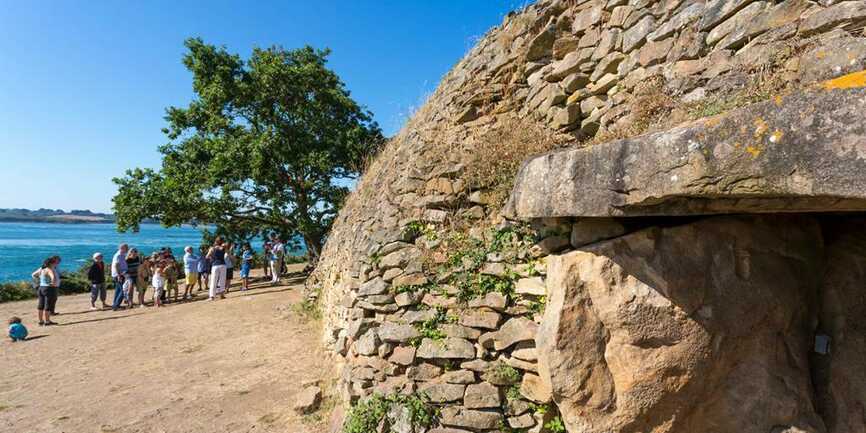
x=233, y=365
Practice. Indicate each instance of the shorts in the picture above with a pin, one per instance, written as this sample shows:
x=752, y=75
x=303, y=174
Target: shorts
x=191, y=278
x=42, y=297
x=230, y=273
x=245, y=270
x=158, y=291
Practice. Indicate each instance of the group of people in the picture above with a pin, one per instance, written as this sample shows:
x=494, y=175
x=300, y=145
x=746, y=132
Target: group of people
x=132, y=272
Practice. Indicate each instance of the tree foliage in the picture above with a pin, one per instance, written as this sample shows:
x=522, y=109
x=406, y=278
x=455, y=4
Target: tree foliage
x=266, y=145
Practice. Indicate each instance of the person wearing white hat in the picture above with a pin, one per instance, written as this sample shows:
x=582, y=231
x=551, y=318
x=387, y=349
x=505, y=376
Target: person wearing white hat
x=96, y=275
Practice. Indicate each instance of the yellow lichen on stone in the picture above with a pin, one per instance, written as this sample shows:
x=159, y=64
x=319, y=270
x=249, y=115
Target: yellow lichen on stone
x=753, y=150
x=850, y=81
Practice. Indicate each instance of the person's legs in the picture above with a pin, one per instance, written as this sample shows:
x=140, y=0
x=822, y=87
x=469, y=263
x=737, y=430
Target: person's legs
x=211, y=287
x=118, y=294
x=94, y=293
x=220, y=278
x=41, y=304
x=53, y=293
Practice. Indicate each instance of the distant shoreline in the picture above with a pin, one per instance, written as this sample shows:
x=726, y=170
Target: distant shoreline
x=63, y=221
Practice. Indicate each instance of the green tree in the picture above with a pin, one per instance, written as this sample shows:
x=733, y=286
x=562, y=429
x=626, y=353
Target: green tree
x=268, y=144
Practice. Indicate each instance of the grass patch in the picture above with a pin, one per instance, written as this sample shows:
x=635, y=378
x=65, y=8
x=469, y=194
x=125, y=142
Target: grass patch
x=365, y=416
x=495, y=159
x=308, y=310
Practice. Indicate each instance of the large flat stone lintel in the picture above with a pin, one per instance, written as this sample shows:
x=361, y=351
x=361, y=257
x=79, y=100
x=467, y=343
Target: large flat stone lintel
x=804, y=152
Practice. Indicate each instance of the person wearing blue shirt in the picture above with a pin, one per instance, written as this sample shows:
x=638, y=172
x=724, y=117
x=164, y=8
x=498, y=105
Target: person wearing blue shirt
x=190, y=269
x=246, y=266
x=119, y=274
x=17, y=331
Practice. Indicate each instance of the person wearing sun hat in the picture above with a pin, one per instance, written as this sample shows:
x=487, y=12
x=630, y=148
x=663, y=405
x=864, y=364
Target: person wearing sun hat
x=96, y=276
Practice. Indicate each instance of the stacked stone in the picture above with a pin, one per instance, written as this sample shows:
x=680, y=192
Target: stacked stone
x=573, y=66
x=585, y=65
x=461, y=372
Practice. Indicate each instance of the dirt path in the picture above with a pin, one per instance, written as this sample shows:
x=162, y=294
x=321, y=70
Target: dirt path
x=233, y=365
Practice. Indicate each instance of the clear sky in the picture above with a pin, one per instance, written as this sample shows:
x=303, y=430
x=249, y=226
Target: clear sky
x=84, y=84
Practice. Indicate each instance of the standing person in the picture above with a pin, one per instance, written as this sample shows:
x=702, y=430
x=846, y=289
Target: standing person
x=158, y=282
x=190, y=268
x=96, y=276
x=276, y=260
x=171, y=274
x=203, y=268
x=46, y=275
x=266, y=258
x=118, y=274
x=55, y=288
x=218, y=270
x=230, y=265
x=144, y=274
x=246, y=266
x=133, y=262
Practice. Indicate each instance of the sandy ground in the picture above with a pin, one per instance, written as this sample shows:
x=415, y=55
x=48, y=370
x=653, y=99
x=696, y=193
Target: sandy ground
x=233, y=365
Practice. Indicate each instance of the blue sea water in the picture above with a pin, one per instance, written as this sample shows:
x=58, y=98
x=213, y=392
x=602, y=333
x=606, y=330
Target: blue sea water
x=23, y=246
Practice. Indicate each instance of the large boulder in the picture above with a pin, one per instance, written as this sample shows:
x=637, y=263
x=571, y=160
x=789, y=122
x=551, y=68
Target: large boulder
x=702, y=327
x=799, y=153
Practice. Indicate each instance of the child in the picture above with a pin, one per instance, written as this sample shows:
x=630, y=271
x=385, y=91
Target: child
x=158, y=283
x=246, y=266
x=17, y=331
x=129, y=291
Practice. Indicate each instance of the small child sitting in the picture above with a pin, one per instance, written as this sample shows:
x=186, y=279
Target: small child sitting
x=17, y=331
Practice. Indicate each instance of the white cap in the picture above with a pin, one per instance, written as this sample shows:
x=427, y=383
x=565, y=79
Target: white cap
x=95, y=255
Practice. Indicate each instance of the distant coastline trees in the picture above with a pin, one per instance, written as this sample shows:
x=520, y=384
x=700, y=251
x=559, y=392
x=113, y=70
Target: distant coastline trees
x=266, y=145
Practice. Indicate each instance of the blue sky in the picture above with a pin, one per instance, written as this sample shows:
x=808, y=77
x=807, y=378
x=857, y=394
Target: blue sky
x=84, y=84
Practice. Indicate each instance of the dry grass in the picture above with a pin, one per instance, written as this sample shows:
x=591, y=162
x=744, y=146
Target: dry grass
x=494, y=160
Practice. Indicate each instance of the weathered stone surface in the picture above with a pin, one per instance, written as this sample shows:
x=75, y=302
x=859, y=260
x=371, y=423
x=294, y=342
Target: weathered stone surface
x=480, y=319
x=423, y=372
x=456, y=416
x=803, y=152
x=443, y=392
x=459, y=376
x=476, y=365
x=717, y=11
x=413, y=279
x=481, y=396
x=376, y=286
x=701, y=320
x=733, y=31
x=589, y=230
x=515, y=330
x=542, y=45
x=535, y=389
x=368, y=344
x=530, y=286
x=521, y=422
x=390, y=332
x=636, y=36
x=842, y=13
x=677, y=22
x=840, y=376
x=493, y=300
x=403, y=355
x=399, y=258
x=458, y=331
x=447, y=348
x=308, y=400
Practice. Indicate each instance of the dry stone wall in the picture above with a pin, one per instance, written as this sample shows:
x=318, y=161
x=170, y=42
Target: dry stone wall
x=426, y=288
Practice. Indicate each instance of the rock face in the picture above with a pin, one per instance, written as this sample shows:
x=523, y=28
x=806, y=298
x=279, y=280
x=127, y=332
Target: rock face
x=800, y=153
x=699, y=327
x=414, y=295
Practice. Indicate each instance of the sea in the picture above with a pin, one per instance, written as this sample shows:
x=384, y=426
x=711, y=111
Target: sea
x=23, y=246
